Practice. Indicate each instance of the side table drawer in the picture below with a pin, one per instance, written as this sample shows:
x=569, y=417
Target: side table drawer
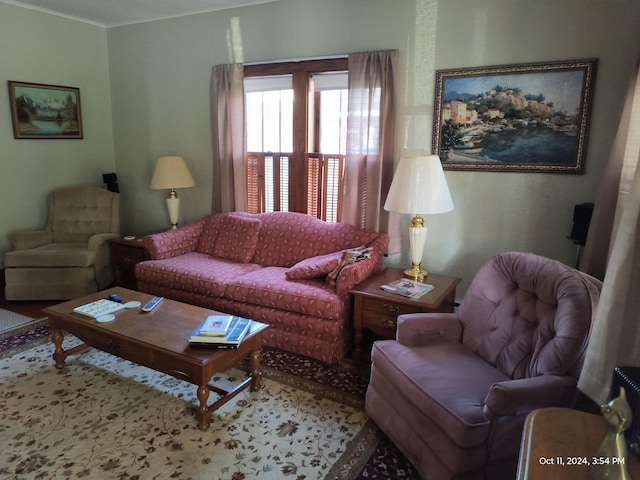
x=126, y=257
x=375, y=311
x=125, y=254
x=382, y=314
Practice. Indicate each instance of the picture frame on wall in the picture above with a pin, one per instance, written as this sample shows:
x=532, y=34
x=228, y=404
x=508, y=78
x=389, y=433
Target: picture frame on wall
x=514, y=118
x=41, y=111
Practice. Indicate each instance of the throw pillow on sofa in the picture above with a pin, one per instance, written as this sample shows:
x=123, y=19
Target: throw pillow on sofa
x=209, y=234
x=237, y=238
x=314, y=267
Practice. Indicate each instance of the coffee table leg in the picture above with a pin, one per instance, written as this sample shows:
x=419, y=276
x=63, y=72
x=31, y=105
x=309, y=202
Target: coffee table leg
x=256, y=373
x=59, y=355
x=203, y=414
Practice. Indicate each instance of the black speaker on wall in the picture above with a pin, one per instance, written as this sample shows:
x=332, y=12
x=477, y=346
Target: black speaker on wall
x=581, y=219
x=111, y=180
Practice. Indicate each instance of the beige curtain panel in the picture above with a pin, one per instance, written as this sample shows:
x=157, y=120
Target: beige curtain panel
x=613, y=248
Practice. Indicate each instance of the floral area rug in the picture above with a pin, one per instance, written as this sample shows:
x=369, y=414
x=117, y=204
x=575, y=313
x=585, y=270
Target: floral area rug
x=104, y=417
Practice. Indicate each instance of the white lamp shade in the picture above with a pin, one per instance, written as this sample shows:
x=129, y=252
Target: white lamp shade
x=419, y=187
x=170, y=173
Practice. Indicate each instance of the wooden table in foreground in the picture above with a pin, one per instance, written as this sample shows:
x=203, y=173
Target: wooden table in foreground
x=158, y=340
x=560, y=443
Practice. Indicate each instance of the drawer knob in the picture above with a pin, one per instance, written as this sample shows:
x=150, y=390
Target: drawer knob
x=113, y=344
x=391, y=308
x=388, y=323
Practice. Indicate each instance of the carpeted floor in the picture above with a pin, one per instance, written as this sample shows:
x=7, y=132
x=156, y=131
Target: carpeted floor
x=106, y=417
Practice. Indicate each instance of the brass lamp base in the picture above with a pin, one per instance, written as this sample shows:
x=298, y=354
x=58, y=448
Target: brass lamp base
x=415, y=272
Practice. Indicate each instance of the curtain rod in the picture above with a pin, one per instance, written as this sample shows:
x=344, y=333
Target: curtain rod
x=300, y=59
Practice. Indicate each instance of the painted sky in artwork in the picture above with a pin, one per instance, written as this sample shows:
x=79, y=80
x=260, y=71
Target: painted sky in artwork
x=51, y=97
x=562, y=88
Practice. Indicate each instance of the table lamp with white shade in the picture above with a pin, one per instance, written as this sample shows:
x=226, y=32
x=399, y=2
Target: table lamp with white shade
x=171, y=173
x=418, y=187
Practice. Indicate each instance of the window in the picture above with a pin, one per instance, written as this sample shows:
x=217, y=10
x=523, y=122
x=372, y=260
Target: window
x=296, y=136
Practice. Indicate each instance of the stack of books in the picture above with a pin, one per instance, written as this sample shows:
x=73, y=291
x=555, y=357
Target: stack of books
x=220, y=331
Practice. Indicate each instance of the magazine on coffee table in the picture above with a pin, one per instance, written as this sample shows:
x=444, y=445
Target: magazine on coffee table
x=234, y=335
x=407, y=288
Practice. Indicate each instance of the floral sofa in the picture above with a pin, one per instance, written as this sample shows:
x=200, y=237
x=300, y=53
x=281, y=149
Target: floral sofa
x=271, y=267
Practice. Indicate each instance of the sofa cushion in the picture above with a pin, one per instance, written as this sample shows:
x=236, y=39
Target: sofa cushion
x=314, y=267
x=429, y=377
x=287, y=238
x=209, y=235
x=237, y=238
x=269, y=287
x=195, y=272
x=52, y=255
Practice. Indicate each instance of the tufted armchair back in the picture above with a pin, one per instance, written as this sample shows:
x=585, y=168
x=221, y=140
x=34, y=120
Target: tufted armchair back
x=528, y=315
x=77, y=213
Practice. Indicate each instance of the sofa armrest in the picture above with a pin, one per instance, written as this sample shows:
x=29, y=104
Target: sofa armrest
x=30, y=239
x=174, y=242
x=415, y=329
x=521, y=396
x=355, y=273
x=97, y=240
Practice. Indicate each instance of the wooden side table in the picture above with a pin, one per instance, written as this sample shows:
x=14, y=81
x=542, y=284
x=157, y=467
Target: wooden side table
x=560, y=444
x=377, y=311
x=125, y=253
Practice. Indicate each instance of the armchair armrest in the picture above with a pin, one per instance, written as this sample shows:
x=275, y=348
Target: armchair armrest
x=415, y=329
x=174, y=242
x=357, y=272
x=521, y=396
x=30, y=239
x=95, y=241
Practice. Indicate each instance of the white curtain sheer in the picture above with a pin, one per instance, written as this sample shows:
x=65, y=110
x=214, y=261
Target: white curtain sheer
x=370, y=139
x=227, y=116
x=614, y=242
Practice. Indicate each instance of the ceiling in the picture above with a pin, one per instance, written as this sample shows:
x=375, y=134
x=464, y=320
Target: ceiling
x=110, y=13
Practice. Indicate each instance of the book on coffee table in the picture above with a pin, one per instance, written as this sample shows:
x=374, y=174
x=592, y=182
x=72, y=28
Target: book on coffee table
x=215, y=325
x=238, y=329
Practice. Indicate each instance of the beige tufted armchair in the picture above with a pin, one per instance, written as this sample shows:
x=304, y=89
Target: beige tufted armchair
x=70, y=257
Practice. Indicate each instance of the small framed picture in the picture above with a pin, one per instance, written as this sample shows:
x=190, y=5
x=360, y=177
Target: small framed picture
x=519, y=118
x=45, y=111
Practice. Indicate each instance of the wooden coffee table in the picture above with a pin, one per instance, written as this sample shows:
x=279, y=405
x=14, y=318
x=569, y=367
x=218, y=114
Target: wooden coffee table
x=158, y=340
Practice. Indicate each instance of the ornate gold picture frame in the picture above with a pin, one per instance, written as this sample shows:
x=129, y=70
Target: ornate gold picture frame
x=514, y=118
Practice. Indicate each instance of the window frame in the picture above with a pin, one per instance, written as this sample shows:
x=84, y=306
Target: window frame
x=301, y=72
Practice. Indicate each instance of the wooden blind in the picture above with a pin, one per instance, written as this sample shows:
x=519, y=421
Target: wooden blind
x=268, y=177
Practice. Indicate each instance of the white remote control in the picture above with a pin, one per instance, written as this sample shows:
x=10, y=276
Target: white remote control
x=151, y=304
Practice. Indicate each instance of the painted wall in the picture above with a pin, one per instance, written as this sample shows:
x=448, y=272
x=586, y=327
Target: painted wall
x=42, y=48
x=159, y=75
x=160, y=79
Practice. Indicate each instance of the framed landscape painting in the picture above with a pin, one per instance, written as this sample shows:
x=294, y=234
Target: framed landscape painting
x=514, y=118
x=45, y=111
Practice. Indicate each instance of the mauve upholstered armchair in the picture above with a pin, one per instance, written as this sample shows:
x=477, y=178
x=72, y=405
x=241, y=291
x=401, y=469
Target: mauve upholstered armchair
x=453, y=390
x=70, y=257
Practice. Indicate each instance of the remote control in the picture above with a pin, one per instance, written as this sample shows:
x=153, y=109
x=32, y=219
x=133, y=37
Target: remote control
x=151, y=304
